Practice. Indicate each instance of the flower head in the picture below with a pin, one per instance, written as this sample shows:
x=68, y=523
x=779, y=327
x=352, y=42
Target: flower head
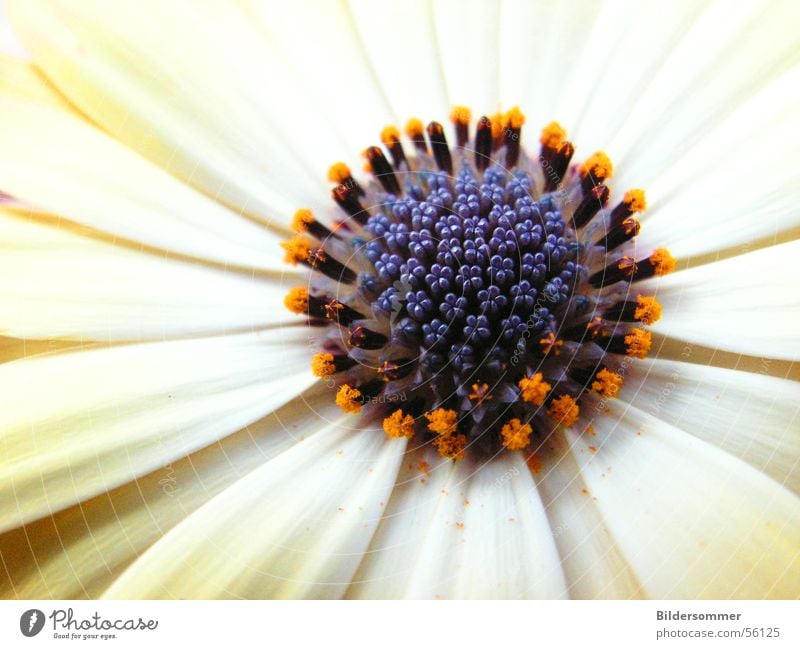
x=163, y=435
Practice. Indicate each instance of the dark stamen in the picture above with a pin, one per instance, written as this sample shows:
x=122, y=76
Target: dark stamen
x=347, y=198
x=364, y=338
x=591, y=204
x=391, y=140
x=322, y=262
x=620, y=233
x=441, y=152
x=397, y=369
x=555, y=164
x=382, y=170
x=483, y=143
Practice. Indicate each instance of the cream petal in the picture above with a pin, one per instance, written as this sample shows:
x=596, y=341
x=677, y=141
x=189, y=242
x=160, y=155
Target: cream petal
x=56, y=162
x=722, y=60
x=21, y=79
x=228, y=120
x=539, y=48
x=747, y=304
x=57, y=284
x=295, y=527
x=79, y=552
x=593, y=564
x=335, y=73
x=462, y=530
x=595, y=99
x=9, y=43
x=724, y=191
x=85, y=422
x=751, y=416
x=467, y=35
x=692, y=520
x=400, y=43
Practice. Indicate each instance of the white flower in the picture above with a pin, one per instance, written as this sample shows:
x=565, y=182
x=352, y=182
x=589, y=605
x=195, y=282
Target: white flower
x=161, y=434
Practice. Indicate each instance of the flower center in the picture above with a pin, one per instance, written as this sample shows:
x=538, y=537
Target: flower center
x=476, y=295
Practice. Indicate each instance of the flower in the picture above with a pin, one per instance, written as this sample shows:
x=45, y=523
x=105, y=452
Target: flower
x=163, y=435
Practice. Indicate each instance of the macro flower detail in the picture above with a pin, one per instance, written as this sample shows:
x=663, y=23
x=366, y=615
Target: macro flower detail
x=493, y=357
x=485, y=290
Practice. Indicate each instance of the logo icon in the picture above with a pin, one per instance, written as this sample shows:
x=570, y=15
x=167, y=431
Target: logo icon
x=31, y=622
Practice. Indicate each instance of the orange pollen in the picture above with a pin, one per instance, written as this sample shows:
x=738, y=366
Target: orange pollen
x=607, y=383
x=315, y=256
x=480, y=391
x=596, y=326
x=628, y=264
x=564, y=410
x=553, y=136
x=296, y=300
x=516, y=435
x=387, y=370
x=302, y=219
x=297, y=249
x=599, y=165
x=338, y=173
x=534, y=389
x=631, y=225
x=390, y=135
x=322, y=365
x=635, y=200
x=414, y=128
x=451, y=446
x=550, y=344
x=332, y=309
x=398, y=425
x=498, y=122
x=637, y=343
x=460, y=115
x=349, y=399
x=662, y=261
x=648, y=309
x=514, y=118
x=442, y=422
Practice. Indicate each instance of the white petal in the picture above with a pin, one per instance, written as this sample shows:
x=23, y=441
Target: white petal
x=468, y=34
x=79, y=552
x=540, y=47
x=20, y=78
x=751, y=416
x=57, y=284
x=229, y=120
x=725, y=191
x=328, y=62
x=296, y=527
x=56, y=162
x=86, y=422
x=593, y=563
x=462, y=531
x=747, y=304
x=692, y=520
x=400, y=42
x=627, y=45
x=724, y=58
